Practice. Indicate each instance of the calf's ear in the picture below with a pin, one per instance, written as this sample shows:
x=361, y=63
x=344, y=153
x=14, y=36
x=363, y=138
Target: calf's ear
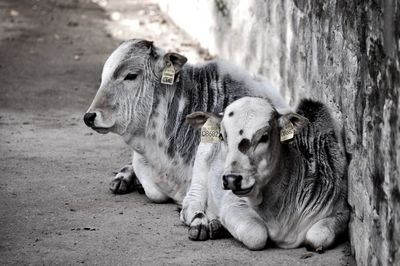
x=176, y=59
x=198, y=119
x=298, y=121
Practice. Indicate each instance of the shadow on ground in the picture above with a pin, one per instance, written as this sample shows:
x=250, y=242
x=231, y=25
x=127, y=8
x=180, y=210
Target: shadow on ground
x=55, y=206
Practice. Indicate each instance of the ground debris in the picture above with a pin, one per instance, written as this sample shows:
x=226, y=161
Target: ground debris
x=72, y=23
x=89, y=229
x=14, y=13
x=84, y=229
x=306, y=255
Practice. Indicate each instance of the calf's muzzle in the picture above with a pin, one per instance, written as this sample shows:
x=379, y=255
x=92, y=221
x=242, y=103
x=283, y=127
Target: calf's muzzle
x=232, y=182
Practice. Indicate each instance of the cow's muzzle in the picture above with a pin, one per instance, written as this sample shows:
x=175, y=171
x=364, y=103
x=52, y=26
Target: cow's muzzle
x=95, y=121
x=234, y=183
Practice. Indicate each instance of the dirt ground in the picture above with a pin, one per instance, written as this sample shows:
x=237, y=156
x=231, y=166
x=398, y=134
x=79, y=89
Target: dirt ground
x=55, y=205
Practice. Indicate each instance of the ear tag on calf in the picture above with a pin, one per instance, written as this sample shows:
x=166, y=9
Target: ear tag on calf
x=287, y=133
x=210, y=132
x=168, y=74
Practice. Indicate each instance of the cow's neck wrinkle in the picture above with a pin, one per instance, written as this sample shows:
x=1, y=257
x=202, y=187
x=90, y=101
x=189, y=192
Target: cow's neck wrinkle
x=279, y=189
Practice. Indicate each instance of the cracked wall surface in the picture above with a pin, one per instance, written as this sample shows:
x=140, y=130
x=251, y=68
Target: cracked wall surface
x=344, y=53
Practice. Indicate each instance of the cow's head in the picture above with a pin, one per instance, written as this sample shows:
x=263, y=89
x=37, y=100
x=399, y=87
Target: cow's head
x=130, y=78
x=250, y=130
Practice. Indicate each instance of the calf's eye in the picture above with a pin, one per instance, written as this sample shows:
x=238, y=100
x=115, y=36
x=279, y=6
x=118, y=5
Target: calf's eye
x=264, y=138
x=130, y=76
x=221, y=138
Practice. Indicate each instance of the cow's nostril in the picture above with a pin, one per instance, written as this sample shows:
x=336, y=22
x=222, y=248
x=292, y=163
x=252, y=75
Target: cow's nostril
x=238, y=181
x=88, y=118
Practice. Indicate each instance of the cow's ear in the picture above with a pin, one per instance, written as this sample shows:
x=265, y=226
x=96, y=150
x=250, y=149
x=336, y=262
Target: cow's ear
x=176, y=59
x=298, y=121
x=198, y=119
x=146, y=43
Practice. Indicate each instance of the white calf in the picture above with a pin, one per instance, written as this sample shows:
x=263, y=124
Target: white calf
x=274, y=175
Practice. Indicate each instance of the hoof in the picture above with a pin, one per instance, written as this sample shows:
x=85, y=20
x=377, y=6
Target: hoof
x=125, y=181
x=198, y=230
x=216, y=230
x=121, y=186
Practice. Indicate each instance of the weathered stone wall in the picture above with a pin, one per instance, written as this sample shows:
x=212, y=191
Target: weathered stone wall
x=344, y=53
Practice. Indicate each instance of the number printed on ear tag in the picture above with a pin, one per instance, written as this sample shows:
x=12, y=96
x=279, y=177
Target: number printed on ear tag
x=168, y=74
x=210, y=132
x=287, y=133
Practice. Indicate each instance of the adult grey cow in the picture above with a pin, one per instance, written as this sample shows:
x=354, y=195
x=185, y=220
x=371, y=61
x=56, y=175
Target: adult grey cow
x=284, y=176
x=145, y=95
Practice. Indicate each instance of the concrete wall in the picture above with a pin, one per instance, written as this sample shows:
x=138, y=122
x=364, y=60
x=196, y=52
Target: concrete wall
x=344, y=53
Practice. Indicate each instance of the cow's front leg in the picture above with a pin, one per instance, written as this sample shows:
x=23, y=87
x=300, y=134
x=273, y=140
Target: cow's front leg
x=125, y=181
x=147, y=176
x=323, y=233
x=244, y=224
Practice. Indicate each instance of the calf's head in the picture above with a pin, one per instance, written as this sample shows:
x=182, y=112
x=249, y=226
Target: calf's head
x=129, y=82
x=250, y=132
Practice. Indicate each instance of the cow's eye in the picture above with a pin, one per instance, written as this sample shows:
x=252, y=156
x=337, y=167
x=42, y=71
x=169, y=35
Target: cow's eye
x=130, y=76
x=264, y=138
x=221, y=138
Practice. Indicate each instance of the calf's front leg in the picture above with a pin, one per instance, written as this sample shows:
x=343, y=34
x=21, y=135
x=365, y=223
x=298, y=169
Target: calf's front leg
x=244, y=223
x=194, y=204
x=323, y=233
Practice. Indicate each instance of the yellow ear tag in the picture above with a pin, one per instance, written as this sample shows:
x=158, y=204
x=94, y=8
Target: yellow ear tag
x=210, y=132
x=287, y=133
x=168, y=74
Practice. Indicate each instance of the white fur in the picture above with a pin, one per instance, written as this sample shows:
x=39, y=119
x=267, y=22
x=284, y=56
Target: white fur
x=113, y=61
